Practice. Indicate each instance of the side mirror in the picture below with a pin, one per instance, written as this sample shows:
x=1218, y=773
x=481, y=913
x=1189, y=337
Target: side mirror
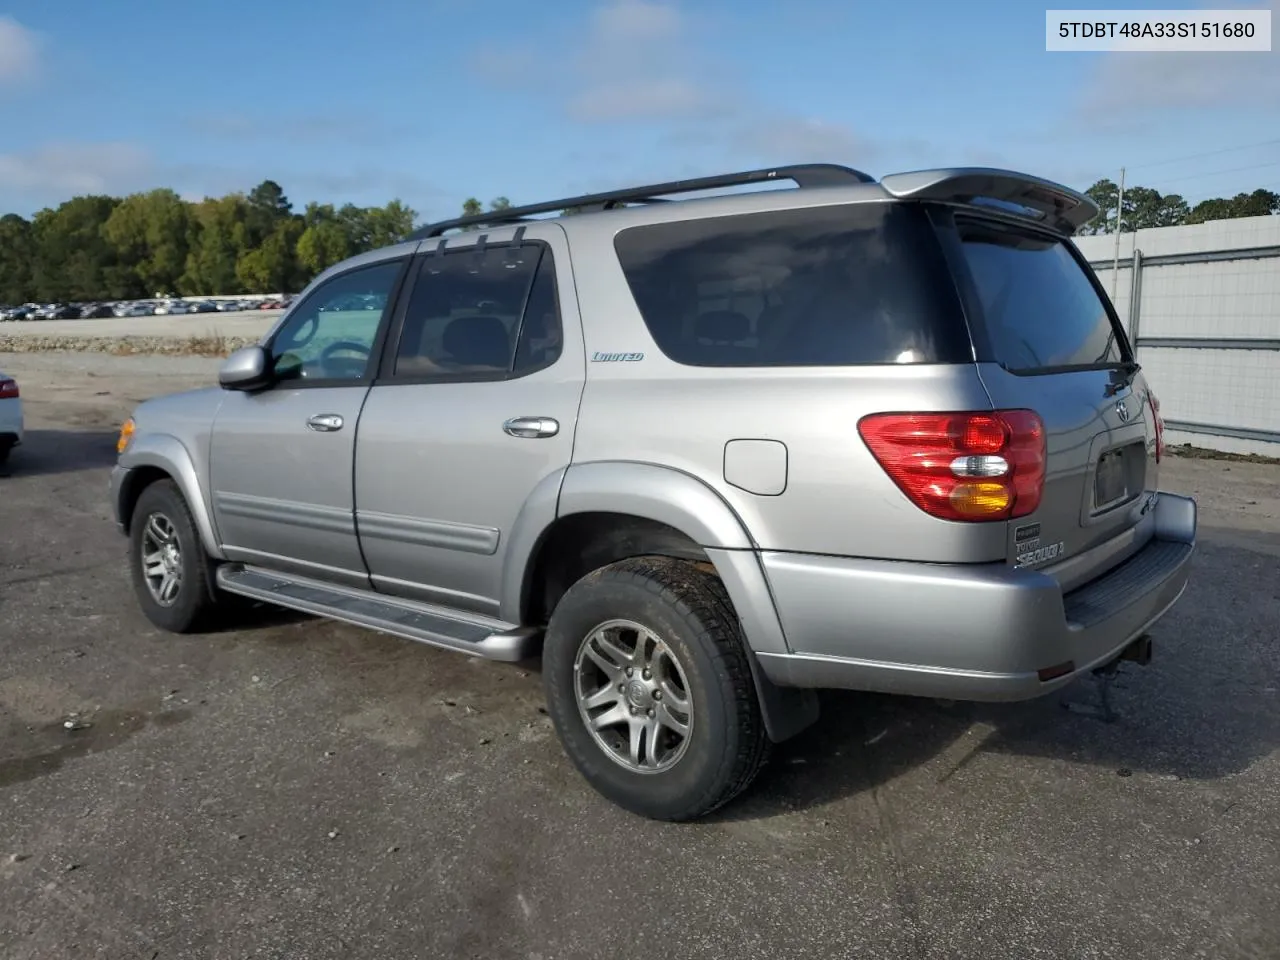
x=249, y=368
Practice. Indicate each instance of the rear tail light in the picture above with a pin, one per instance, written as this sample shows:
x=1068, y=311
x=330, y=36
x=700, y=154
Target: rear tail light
x=8, y=389
x=962, y=466
x=1155, y=412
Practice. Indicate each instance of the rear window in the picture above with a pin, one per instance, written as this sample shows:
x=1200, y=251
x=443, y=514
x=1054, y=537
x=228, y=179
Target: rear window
x=1039, y=309
x=836, y=286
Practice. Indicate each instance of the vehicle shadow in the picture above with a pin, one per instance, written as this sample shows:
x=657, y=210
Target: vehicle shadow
x=1207, y=707
x=47, y=452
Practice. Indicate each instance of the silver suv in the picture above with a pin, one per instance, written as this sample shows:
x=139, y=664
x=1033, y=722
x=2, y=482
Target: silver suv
x=702, y=455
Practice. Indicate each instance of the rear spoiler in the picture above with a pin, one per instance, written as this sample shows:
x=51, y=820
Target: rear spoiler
x=1058, y=207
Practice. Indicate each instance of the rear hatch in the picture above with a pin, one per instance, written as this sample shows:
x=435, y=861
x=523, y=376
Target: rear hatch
x=1047, y=340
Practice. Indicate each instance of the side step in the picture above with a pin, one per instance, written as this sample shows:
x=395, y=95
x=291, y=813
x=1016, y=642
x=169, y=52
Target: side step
x=470, y=633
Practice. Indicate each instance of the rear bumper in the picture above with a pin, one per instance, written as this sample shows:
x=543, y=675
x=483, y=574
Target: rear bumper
x=981, y=632
x=11, y=425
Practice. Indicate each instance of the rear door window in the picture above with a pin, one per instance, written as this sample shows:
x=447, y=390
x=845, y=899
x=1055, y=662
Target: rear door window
x=1038, y=308
x=832, y=286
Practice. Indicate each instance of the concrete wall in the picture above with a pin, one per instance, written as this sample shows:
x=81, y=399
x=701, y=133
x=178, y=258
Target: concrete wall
x=1207, y=323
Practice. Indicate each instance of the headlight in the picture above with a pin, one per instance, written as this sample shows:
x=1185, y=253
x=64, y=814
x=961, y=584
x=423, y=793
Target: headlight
x=126, y=434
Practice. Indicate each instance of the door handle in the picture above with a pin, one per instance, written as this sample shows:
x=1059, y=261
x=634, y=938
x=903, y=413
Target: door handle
x=325, y=422
x=532, y=427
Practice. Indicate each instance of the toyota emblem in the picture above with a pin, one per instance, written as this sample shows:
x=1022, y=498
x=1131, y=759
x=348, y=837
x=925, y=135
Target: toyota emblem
x=1122, y=410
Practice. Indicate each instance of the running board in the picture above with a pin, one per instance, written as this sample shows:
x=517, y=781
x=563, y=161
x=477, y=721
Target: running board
x=470, y=633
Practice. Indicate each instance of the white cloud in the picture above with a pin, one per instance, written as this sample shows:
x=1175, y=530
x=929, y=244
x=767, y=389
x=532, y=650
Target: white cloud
x=786, y=138
x=338, y=124
x=19, y=52
x=1129, y=82
x=637, y=62
x=645, y=62
x=59, y=171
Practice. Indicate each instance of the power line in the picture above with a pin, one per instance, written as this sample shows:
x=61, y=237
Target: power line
x=1207, y=153
x=1194, y=156
x=1214, y=173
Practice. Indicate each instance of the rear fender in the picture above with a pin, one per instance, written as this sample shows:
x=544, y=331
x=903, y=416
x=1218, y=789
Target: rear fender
x=685, y=503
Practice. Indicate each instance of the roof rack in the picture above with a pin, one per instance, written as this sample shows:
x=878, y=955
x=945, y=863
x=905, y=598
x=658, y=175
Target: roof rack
x=802, y=175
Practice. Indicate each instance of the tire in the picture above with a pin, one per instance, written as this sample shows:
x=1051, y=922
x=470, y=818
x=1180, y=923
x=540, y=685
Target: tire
x=190, y=606
x=694, y=647
x=5, y=448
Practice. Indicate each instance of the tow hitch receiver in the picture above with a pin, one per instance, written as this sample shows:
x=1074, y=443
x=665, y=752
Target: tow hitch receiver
x=1139, y=651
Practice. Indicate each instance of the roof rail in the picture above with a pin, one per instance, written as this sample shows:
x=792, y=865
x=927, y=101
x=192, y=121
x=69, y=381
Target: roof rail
x=803, y=175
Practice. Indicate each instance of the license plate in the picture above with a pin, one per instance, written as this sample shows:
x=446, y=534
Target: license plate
x=1109, y=482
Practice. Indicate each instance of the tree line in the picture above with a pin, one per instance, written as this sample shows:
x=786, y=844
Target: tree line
x=1145, y=208
x=112, y=248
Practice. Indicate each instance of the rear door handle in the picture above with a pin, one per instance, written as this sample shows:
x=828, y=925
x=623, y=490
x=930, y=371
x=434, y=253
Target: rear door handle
x=325, y=422
x=532, y=427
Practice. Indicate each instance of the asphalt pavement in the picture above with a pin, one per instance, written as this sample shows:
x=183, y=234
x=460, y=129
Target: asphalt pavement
x=297, y=788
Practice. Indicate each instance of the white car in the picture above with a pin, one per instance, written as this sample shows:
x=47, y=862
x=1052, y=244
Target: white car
x=10, y=416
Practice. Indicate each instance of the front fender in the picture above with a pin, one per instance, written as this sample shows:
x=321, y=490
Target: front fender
x=165, y=452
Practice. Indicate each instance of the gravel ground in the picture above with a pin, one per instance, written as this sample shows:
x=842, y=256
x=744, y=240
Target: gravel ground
x=297, y=788
x=204, y=333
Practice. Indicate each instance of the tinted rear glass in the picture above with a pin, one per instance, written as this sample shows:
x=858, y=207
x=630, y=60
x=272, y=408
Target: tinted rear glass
x=855, y=284
x=1039, y=308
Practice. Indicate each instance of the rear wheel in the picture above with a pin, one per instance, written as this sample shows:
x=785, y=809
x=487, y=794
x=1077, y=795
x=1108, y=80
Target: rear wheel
x=5, y=447
x=169, y=567
x=650, y=690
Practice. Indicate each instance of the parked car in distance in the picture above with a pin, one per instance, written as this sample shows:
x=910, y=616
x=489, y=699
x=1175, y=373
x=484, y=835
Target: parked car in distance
x=702, y=456
x=11, y=426
x=95, y=311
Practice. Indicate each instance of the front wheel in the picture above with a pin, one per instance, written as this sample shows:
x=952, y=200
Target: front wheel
x=167, y=561
x=650, y=690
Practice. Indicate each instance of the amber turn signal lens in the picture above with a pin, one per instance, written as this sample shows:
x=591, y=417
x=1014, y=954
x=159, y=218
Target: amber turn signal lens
x=980, y=499
x=126, y=434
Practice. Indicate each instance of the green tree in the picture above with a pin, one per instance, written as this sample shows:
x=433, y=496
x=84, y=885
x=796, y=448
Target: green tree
x=355, y=223
x=149, y=234
x=72, y=259
x=389, y=224
x=321, y=245
x=1145, y=208
x=267, y=207
x=16, y=252
x=1259, y=203
x=216, y=241
x=273, y=266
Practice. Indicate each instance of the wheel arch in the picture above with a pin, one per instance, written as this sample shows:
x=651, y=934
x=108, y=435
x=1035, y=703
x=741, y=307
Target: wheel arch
x=606, y=512
x=155, y=457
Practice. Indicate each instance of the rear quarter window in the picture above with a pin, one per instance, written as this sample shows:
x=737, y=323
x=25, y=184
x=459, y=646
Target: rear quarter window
x=1037, y=306
x=832, y=286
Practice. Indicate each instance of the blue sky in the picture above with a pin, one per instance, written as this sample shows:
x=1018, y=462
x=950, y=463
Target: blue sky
x=432, y=101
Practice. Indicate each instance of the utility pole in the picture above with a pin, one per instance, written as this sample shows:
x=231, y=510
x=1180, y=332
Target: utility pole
x=1115, y=262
